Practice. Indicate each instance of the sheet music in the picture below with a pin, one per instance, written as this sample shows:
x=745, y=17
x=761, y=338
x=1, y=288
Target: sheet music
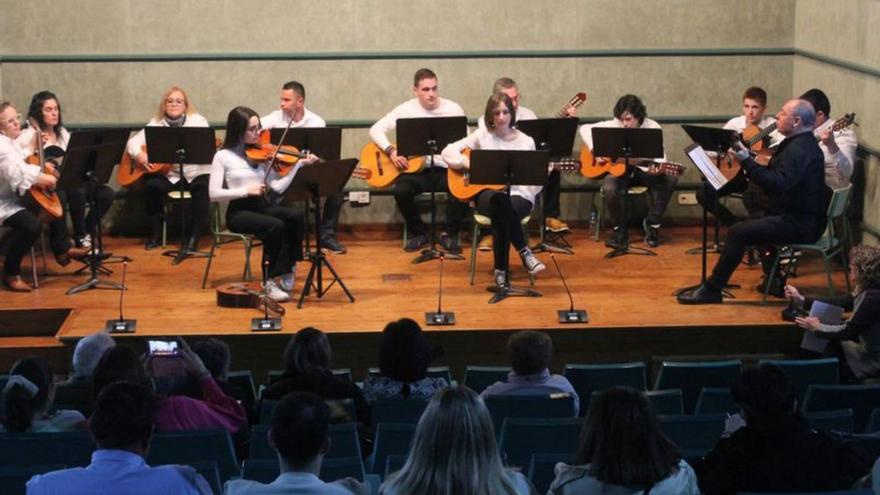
x=828, y=314
x=707, y=167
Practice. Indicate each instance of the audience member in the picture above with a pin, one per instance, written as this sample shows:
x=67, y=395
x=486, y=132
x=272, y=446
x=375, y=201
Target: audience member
x=404, y=356
x=122, y=427
x=27, y=400
x=454, y=452
x=858, y=337
x=216, y=356
x=776, y=451
x=623, y=451
x=76, y=391
x=300, y=435
x=307, y=361
x=530, y=355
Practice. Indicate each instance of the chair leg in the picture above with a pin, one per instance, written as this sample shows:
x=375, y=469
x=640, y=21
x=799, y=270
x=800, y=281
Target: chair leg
x=845, y=270
x=771, y=277
x=525, y=228
x=473, y=263
x=43, y=253
x=600, y=217
x=34, y=269
x=828, y=274
x=247, y=261
x=210, y=258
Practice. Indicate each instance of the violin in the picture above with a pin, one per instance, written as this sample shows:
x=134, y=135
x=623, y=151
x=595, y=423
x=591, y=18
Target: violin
x=286, y=156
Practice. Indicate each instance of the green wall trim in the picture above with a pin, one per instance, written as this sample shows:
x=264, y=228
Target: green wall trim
x=476, y=54
x=870, y=229
x=862, y=69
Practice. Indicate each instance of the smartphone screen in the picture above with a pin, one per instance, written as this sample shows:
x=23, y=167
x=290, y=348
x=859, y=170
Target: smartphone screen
x=162, y=347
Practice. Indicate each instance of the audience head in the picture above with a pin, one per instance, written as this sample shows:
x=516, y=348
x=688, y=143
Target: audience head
x=88, y=351
x=119, y=363
x=630, y=111
x=404, y=353
x=453, y=450
x=216, y=356
x=764, y=392
x=300, y=429
x=530, y=352
x=307, y=351
x=622, y=440
x=27, y=392
x=123, y=417
x=864, y=263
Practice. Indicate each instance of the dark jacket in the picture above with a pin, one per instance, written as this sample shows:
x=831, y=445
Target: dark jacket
x=323, y=384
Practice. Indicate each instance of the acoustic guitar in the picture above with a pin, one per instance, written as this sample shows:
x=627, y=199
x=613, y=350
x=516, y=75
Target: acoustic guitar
x=130, y=171
x=43, y=197
x=376, y=167
x=460, y=181
x=593, y=169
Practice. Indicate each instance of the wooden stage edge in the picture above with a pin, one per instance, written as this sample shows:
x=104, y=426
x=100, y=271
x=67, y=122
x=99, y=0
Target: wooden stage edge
x=633, y=314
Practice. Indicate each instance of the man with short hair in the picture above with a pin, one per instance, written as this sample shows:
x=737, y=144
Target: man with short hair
x=293, y=112
x=427, y=103
x=795, y=181
x=299, y=433
x=839, y=147
x=76, y=391
x=122, y=427
x=530, y=354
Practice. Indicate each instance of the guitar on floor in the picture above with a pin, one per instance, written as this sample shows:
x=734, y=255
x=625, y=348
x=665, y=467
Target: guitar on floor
x=376, y=168
x=592, y=168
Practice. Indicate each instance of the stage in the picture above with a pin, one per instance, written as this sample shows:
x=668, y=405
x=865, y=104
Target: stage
x=632, y=312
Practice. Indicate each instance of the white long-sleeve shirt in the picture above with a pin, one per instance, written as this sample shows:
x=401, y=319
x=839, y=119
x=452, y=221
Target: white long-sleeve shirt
x=279, y=119
x=412, y=109
x=16, y=177
x=190, y=171
x=482, y=139
x=838, y=166
x=522, y=113
x=232, y=174
x=586, y=131
x=27, y=143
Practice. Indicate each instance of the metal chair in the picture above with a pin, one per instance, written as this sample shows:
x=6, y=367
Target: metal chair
x=224, y=236
x=484, y=221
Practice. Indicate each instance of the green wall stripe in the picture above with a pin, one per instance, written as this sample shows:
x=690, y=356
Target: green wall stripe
x=862, y=69
x=870, y=229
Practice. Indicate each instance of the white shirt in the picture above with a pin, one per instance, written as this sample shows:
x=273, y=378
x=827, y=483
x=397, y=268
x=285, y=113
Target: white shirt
x=298, y=483
x=482, y=139
x=412, y=109
x=838, y=166
x=522, y=113
x=190, y=171
x=16, y=177
x=587, y=134
x=231, y=174
x=27, y=143
x=279, y=119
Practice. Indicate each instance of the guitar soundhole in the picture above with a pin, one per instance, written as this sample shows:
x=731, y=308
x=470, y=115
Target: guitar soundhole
x=379, y=163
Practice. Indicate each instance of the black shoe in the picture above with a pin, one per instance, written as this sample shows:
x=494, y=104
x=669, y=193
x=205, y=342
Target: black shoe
x=192, y=244
x=704, y=294
x=450, y=243
x=153, y=243
x=616, y=239
x=415, y=243
x=330, y=243
x=652, y=233
x=777, y=288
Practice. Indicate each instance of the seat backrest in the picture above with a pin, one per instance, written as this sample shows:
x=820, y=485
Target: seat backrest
x=541, y=469
x=398, y=410
x=525, y=406
x=242, y=387
x=391, y=439
x=186, y=447
x=693, y=433
x=13, y=479
x=691, y=377
x=873, y=421
x=841, y=420
x=267, y=407
x=209, y=471
x=715, y=400
x=521, y=437
x=477, y=378
x=668, y=401
x=433, y=372
x=71, y=449
x=806, y=372
x=588, y=378
x=342, y=467
x=862, y=399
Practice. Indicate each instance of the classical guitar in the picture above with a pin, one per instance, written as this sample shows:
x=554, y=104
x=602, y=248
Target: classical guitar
x=46, y=198
x=376, y=167
x=460, y=182
x=593, y=168
x=130, y=171
x=575, y=101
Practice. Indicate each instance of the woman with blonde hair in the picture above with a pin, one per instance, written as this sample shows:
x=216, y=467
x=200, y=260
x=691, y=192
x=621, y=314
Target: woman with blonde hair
x=454, y=452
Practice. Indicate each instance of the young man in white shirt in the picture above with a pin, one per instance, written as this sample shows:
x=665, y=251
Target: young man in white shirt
x=427, y=103
x=839, y=147
x=293, y=111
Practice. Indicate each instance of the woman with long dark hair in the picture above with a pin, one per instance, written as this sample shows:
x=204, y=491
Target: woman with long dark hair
x=623, y=451
x=27, y=400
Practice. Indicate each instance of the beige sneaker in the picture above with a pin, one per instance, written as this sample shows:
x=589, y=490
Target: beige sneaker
x=555, y=225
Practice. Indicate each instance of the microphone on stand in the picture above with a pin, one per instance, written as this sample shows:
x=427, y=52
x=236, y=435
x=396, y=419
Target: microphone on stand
x=439, y=317
x=569, y=315
x=121, y=325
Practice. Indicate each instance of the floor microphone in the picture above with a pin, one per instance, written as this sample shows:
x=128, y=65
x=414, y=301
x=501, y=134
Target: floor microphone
x=121, y=325
x=439, y=317
x=569, y=315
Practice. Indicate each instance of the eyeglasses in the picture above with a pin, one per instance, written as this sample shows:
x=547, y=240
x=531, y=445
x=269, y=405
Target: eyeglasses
x=13, y=120
x=173, y=101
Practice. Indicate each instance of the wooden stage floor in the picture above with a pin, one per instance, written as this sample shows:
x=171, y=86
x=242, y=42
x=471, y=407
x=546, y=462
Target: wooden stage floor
x=629, y=291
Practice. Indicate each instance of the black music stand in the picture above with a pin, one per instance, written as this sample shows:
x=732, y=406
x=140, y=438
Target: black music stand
x=179, y=145
x=323, y=142
x=509, y=167
x=314, y=182
x=92, y=166
x=555, y=136
x=620, y=142
x=428, y=136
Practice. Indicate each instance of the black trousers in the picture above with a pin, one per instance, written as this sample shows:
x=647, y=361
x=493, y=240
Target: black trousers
x=506, y=213
x=25, y=230
x=409, y=185
x=279, y=227
x=330, y=215
x=767, y=231
x=551, y=193
x=156, y=189
x=77, y=199
x=660, y=189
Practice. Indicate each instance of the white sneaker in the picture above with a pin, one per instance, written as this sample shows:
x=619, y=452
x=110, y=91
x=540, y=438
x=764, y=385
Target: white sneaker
x=287, y=281
x=275, y=293
x=531, y=262
x=85, y=241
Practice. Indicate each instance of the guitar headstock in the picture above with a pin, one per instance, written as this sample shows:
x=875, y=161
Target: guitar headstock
x=577, y=100
x=844, y=122
x=567, y=164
